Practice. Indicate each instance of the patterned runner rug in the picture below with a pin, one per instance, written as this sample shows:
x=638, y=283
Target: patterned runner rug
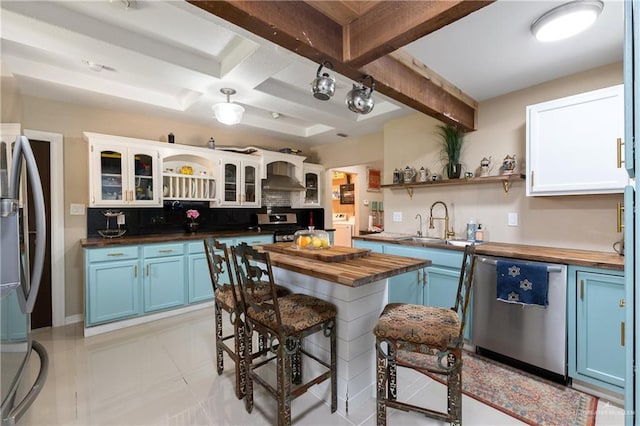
x=526, y=397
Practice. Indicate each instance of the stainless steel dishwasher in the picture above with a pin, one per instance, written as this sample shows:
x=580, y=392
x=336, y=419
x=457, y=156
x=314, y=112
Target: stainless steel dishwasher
x=529, y=334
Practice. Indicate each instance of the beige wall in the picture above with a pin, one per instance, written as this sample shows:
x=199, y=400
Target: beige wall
x=578, y=222
x=587, y=222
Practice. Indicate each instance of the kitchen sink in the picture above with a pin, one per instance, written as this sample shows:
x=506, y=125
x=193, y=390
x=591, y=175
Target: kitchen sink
x=429, y=240
x=461, y=243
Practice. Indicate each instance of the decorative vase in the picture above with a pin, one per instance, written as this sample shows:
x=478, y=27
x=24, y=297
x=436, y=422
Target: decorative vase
x=454, y=170
x=192, y=226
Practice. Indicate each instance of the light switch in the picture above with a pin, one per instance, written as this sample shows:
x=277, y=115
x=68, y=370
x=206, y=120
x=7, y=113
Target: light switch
x=512, y=219
x=76, y=209
x=397, y=216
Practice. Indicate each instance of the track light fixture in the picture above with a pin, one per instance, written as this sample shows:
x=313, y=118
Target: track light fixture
x=324, y=85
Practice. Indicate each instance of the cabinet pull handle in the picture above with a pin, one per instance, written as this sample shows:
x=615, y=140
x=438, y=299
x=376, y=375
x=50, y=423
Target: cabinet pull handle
x=621, y=303
x=532, y=181
x=620, y=221
x=147, y=270
x=135, y=271
x=622, y=333
x=165, y=251
x=581, y=289
x=424, y=277
x=619, y=152
x=418, y=277
x=115, y=254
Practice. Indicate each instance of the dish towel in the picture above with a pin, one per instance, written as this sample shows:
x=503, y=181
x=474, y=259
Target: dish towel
x=522, y=283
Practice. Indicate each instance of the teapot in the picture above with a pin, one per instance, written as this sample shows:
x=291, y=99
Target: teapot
x=359, y=99
x=509, y=164
x=409, y=174
x=484, y=166
x=423, y=174
x=324, y=85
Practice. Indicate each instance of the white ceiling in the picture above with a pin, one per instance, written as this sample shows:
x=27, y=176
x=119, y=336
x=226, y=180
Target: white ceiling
x=170, y=59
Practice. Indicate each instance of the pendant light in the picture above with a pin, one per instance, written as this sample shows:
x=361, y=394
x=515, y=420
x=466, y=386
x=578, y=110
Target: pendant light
x=566, y=20
x=228, y=112
x=324, y=85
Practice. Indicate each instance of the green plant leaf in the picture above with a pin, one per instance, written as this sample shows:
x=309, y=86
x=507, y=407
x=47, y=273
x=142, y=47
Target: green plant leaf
x=452, y=139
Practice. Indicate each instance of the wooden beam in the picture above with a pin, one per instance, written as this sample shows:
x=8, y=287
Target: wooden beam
x=303, y=29
x=390, y=25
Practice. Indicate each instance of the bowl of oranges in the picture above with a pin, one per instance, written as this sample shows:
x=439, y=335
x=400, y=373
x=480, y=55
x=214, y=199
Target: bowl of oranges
x=311, y=239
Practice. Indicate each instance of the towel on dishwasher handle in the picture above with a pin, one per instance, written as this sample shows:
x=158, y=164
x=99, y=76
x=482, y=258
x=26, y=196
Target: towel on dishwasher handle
x=522, y=283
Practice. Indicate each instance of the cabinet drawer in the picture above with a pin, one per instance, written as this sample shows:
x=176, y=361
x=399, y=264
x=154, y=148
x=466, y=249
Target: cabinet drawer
x=256, y=239
x=195, y=247
x=446, y=258
x=112, y=253
x=159, y=250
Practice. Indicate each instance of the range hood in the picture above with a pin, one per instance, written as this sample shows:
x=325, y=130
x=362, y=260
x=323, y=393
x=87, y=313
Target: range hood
x=280, y=177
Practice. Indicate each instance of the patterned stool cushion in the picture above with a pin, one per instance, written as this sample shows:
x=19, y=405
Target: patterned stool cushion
x=428, y=325
x=225, y=298
x=298, y=312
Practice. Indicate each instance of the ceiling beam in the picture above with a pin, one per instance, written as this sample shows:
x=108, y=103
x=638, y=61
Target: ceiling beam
x=305, y=30
x=392, y=24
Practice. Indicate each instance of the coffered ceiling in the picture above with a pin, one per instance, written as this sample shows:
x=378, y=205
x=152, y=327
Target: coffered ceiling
x=171, y=58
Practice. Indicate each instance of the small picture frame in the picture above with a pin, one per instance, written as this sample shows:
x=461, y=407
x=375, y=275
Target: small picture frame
x=373, y=180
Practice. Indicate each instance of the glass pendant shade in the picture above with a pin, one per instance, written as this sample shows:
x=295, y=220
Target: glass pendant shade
x=228, y=112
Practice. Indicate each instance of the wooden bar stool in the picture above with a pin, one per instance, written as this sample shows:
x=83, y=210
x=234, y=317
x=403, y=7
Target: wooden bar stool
x=286, y=321
x=227, y=298
x=424, y=338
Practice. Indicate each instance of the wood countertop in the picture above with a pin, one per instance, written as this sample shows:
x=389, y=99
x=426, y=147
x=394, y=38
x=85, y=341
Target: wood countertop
x=162, y=238
x=595, y=259
x=350, y=272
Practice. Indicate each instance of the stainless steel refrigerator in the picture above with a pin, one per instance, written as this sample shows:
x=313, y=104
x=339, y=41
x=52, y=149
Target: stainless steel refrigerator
x=19, y=283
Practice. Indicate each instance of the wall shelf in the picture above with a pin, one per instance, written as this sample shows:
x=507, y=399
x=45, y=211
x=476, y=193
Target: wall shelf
x=507, y=181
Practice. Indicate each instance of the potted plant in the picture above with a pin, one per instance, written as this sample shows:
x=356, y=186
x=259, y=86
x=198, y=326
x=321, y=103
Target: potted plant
x=452, y=139
x=192, y=225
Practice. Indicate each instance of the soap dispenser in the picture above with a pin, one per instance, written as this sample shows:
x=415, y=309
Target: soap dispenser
x=471, y=230
x=479, y=234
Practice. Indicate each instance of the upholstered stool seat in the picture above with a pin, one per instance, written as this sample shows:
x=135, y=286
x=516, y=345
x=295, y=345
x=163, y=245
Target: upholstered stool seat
x=424, y=338
x=298, y=312
x=429, y=325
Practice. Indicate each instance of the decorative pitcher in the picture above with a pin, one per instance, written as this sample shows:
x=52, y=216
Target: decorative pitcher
x=409, y=174
x=509, y=164
x=484, y=166
x=423, y=174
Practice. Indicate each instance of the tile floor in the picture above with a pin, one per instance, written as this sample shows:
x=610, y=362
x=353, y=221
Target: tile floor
x=163, y=373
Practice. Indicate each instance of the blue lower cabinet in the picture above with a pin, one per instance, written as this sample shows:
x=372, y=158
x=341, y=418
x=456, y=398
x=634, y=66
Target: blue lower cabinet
x=373, y=246
x=597, y=327
x=163, y=283
x=255, y=240
x=200, y=286
x=113, y=291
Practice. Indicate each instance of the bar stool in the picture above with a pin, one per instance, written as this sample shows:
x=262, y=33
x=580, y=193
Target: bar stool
x=286, y=321
x=227, y=298
x=424, y=338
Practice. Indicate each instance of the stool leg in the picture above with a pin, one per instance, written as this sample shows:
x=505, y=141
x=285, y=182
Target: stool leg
x=241, y=374
x=248, y=395
x=334, y=370
x=392, y=372
x=454, y=387
x=381, y=379
x=219, y=354
x=262, y=344
x=296, y=365
x=284, y=386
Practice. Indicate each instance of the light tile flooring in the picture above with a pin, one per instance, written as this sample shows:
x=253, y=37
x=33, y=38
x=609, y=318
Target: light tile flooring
x=163, y=373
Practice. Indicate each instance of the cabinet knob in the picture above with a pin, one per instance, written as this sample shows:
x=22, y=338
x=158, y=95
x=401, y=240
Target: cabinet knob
x=621, y=303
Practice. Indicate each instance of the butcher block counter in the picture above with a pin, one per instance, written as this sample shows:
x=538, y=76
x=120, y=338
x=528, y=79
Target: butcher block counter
x=363, y=268
x=596, y=259
x=164, y=238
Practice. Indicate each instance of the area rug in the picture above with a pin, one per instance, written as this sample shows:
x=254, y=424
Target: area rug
x=526, y=397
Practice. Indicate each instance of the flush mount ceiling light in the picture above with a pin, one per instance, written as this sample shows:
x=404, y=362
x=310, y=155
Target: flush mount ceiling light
x=324, y=85
x=566, y=20
x=228, y=112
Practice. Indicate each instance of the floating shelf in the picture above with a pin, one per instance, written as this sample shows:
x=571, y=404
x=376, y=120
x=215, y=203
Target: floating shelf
x=507, y=181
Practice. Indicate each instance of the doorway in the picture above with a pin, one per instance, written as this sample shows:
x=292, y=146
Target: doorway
x=343, y=206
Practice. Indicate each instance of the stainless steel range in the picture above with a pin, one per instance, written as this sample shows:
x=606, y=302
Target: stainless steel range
x=283, y=225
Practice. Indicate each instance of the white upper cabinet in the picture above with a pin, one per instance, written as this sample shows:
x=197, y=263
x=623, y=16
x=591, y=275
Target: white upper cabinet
x=313, y=180
x=240, y=177
x=574, y=144
x=122, y=174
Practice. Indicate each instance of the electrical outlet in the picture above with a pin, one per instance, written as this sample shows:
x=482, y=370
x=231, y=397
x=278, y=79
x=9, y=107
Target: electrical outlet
x=120, y=219
x=397, y=216
x=512, y=219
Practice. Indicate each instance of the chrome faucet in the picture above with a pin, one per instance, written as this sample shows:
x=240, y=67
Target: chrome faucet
x=447, y=232
x=419, y=233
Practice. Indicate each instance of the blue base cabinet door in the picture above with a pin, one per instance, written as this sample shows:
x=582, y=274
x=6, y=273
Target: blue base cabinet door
x=600, y=327
x=114, y=291
x=407, y=287
x=164, y=277
x=200, y=285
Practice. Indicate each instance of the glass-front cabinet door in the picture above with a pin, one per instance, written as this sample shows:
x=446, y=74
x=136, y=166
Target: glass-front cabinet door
x=312, y=181
x=241, y=183
x=231, y=183
x=250, y=184
x=123, y=176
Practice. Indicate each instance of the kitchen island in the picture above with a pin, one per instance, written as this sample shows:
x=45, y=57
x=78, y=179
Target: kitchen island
x=358, y=288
